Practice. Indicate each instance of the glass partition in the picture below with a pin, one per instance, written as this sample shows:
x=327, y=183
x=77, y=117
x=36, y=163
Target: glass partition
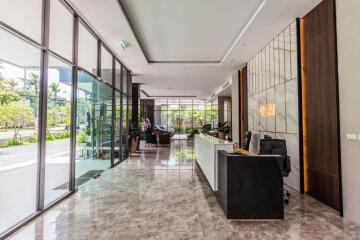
x=180, y=116
x=24, y=16
x=87, y=50
x=57, y=162
x=117, y=132
x=106, y=66
x=24, y=53
x=118, y=76
x=61, y=29
x=124, y=80
x=198, y=113
x=124, y=126
x=19, y=132
x=93, y=138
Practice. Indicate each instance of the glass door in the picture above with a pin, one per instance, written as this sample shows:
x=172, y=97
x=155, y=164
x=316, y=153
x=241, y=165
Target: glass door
x=117, y=132
x=124, y=127
x=93, y=138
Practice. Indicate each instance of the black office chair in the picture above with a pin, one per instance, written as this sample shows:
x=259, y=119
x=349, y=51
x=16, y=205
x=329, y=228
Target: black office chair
x=150, y=138
x=277, y=147
x=247, y=140
x=206, y=127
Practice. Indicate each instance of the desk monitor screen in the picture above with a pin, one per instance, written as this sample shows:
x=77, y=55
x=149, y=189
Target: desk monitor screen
x=254, y=143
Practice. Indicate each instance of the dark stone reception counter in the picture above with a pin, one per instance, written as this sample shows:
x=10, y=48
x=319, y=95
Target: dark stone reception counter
x=250, y=186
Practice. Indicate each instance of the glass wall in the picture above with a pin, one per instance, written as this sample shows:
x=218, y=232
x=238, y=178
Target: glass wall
x=87, y=50
x=181, y=115
x=125, y=111
x=93, y=135
x=58, y=113
x=227, y=111
x=19, y=132
x=117, y=127
x=38, y=122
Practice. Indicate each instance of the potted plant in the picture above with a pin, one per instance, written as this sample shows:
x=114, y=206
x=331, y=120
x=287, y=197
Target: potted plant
x=192, y=133
x=134, y=135
x=223, y=129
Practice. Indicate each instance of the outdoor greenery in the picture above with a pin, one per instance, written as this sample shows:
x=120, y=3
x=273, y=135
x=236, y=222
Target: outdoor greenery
x=59, y=115
x=33, y=138
x=57, y=136
x=7, y=91
x=81, y=136
x=182, y=117
x=15, y=115
x=13, y=142
x=19, y=109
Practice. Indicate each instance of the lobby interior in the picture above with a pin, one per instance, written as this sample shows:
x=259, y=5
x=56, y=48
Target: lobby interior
x=165, y=119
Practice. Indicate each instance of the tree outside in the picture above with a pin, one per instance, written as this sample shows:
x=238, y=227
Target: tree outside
x=19, y=106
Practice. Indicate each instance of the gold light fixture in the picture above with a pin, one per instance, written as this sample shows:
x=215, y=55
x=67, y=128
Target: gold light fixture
x=267, y=110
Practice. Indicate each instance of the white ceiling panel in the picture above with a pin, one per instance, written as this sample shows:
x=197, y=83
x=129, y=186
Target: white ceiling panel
x=188, y=30
x=171, y=31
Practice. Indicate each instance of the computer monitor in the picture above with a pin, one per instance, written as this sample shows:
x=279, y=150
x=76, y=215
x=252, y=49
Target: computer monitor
x=254, y=143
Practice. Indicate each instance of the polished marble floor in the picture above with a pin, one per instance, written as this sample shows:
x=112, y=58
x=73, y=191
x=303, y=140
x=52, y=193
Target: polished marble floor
x=159, y=194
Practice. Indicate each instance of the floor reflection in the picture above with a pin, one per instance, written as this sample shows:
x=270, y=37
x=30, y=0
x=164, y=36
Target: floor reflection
x=160, y=194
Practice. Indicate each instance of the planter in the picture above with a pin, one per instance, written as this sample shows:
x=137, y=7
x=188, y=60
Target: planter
x=221, y=135
x=134, y=144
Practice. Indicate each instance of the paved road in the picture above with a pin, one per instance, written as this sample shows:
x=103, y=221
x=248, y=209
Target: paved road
x=28, y=152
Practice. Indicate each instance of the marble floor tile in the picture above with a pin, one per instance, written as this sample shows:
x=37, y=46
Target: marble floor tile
x=159, y=194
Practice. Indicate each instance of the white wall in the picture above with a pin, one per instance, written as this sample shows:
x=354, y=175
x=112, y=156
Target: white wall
x=273, y=84
x=235, y=122
x=348, y=33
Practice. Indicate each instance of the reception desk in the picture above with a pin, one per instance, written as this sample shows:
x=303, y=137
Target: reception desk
x=206, y=154
x=250, y=186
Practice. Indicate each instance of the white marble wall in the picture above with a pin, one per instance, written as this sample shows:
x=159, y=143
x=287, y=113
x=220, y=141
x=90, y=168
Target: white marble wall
x=348, y=38
x=273, y=79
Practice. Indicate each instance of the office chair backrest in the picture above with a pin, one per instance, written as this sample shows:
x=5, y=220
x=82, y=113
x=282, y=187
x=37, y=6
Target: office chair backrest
x=207, y=126
x=270, y=145
x=276, y=147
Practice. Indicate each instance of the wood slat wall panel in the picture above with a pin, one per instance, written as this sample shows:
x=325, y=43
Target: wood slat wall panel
x=320, y=106
x=243, y=94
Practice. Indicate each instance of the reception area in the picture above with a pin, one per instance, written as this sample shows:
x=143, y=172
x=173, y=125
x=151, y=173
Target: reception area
x=207, y=119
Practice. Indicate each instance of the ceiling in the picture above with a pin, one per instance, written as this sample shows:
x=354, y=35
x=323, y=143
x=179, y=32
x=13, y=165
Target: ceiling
x=188, y=30
x=188, y=48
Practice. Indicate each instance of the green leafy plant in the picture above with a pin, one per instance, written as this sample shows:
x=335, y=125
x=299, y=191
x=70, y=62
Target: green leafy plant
x=223, y=127
x=16, y=114
x=55, y=89
x=50, y=137
x=193, y=132
x=8, y=92
x=81, y=137
x=62, y=135
x=33, y=138
x=14, y=142
x=134, y=131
